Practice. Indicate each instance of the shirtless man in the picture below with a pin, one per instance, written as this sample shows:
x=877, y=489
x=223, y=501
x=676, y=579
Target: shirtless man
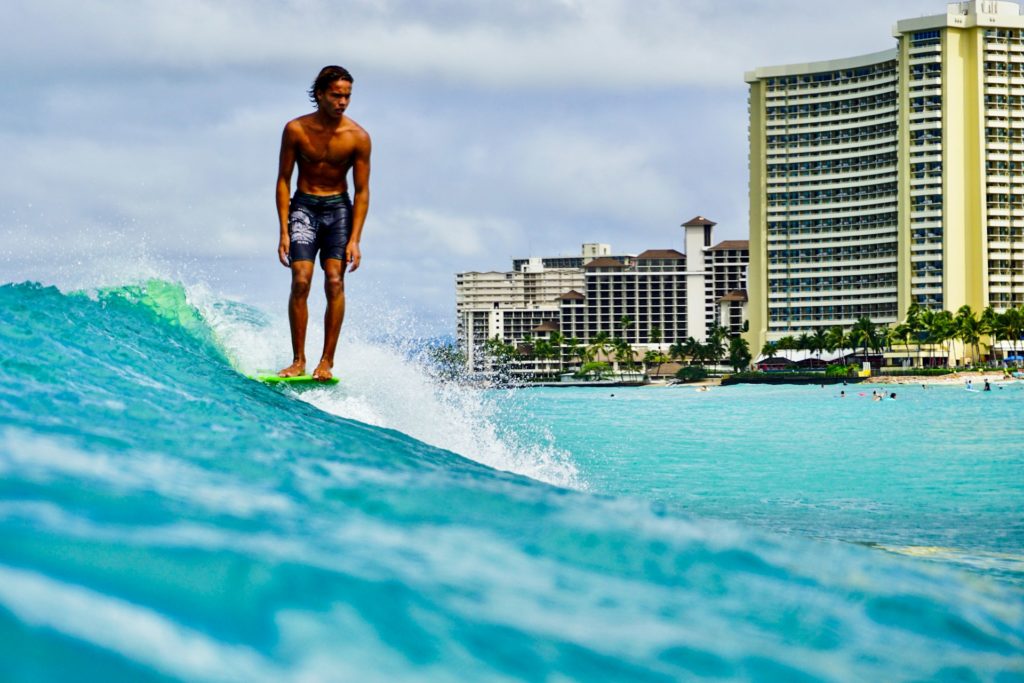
x=321, y=217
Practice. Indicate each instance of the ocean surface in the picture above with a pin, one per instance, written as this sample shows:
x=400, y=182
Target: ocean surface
x=163, y=518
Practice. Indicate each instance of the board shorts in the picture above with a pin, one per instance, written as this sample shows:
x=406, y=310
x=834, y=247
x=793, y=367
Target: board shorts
x=319, y=223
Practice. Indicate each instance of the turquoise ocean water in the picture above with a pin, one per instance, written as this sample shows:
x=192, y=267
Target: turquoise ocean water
x=163, y=518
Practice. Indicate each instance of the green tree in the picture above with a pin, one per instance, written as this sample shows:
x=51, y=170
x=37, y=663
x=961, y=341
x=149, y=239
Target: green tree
x=864, y=334
x=599, y=345
x=655, y=358
x=623, y=353
x=654, y=335
x=574, y=349
x=819, y=341
x=788, y=343
x=677, y=352
x=739, y=354
x=915, y=324
x=968, y=331
x=990, y=326
x=694, y=350
x=626, y=323
x=594, y=370
x=941, y=327
x=448, y=360
x=837, y=341
x=716, y=346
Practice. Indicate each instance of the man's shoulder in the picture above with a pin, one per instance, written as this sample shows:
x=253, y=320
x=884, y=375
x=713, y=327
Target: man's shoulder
x=356, y=130
x=299, y=122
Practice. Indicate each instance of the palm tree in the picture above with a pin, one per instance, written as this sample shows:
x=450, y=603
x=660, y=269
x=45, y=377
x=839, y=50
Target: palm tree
x=694, y=350
x=654, y=335
x=599, y=344
x=787, y=343
x=656, y=358
x=625, y=322
x=819, y=341
x=769, y=349
x=968, y=330
x=804, y=342
x=864, y=334
x=623, y=353
x=739, y=354
x=916, y=325
x=991, y=327
x=1012, y=326
x=941, y=328
x=677, y=352
x=902, y=334
x=836, y=340
x=574, y=349
x=715, y=347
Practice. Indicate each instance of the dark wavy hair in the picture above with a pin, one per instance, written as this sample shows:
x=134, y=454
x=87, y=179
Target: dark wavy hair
x=328, y=75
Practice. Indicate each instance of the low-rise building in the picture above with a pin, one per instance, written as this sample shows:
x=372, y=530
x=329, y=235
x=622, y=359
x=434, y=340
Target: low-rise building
x=651, y=300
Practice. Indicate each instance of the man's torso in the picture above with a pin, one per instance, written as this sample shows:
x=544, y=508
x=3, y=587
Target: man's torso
x=324, y=155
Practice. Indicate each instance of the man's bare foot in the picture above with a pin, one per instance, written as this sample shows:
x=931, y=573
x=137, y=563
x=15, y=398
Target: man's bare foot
x=322, y=372
x=294, y=370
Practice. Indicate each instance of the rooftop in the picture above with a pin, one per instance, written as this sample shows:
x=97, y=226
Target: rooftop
x=604, y=262
x=698, y=220
x=732, y=244
x=660, y=254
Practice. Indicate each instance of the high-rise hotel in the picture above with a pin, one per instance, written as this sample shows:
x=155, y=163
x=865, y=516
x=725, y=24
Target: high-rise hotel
x=892, y=177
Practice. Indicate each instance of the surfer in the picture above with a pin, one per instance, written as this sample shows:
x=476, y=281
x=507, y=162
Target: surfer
x=321, y=217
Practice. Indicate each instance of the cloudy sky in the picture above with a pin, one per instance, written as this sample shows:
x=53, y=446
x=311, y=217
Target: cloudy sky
x=142, y=136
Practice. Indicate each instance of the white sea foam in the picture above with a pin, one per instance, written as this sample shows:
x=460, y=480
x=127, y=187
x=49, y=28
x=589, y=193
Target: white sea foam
x=383, y=386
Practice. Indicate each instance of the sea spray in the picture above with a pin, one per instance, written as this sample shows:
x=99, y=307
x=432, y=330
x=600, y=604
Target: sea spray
x=388, y=384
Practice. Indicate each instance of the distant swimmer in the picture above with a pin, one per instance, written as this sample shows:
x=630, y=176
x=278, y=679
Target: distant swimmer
x=321, y=217
x=988, y=387
x=970, y=385
x=892, y=396
x=842, y=394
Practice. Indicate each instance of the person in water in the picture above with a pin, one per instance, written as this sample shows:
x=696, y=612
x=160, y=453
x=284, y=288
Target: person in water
x=321, y=217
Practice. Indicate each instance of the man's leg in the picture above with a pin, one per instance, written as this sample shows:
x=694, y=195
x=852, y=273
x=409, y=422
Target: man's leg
x=298, y=316
x=334, y=288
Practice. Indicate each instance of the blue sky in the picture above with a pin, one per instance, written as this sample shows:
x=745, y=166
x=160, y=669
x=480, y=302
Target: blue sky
x=142, y=137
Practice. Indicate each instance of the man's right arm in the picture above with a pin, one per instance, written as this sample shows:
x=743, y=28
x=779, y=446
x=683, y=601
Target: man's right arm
x=284, y=189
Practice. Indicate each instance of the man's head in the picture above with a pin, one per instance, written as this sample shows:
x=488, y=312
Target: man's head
x=332, y=85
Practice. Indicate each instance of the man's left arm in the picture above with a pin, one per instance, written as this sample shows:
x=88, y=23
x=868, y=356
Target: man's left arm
x=360, y=200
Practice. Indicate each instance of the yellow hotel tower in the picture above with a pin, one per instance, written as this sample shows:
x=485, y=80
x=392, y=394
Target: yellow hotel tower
x=891, y=177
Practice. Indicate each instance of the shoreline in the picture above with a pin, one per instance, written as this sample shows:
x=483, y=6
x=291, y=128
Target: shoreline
x=954, y=378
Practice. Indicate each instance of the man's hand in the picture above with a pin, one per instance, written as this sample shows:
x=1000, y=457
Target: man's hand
x=282, y=251
x=352, y=255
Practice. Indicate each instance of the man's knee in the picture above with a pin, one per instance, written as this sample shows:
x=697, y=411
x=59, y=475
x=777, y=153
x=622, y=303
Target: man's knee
x=300, y=287
x=334, y=284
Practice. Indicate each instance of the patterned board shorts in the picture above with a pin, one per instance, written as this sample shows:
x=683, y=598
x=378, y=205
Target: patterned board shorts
x=319, y=223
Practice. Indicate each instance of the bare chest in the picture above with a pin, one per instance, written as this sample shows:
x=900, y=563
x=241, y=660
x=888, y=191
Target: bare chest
x=334, y=149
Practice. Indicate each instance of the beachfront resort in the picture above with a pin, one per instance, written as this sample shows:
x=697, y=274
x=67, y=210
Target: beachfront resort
x=886, y=209
x=548, y=315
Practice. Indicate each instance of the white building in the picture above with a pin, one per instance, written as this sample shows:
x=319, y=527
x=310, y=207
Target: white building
x=667, y=296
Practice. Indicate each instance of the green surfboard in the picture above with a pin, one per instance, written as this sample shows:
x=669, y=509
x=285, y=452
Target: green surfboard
x=301, y=380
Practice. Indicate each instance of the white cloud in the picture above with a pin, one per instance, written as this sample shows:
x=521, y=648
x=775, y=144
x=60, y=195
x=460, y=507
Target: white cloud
x=594, y=44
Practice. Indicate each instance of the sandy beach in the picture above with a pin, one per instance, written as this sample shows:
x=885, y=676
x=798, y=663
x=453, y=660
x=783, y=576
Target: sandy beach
x=955, y=378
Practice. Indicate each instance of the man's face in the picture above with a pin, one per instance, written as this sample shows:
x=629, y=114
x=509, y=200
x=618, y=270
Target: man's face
x=333, y=101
